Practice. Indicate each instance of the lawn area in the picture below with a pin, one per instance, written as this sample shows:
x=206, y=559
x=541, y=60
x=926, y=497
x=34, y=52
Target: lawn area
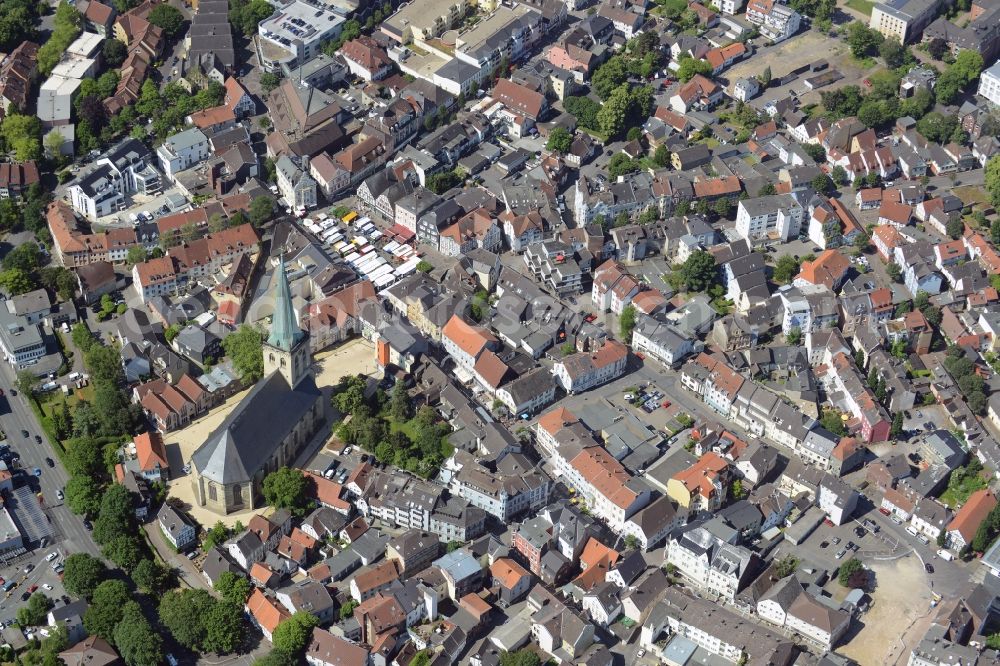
x=963, y=482
x=863, y=6
x=408, y=428
x=54, y=400
x=970, y=194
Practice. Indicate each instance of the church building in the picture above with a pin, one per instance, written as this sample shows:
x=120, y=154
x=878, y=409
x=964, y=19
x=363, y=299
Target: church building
x=272, y=423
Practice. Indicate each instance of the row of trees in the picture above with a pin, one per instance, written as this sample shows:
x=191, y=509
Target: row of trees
x=66, y=28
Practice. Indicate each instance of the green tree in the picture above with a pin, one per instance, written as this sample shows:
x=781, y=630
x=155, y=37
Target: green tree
x=215, y=536
x=609, y=76
x=168, y=18
x=661, y=156
x=33, y=613
x=621, y=164
x=106, y=608
x=82, y=574
x=794, y=336
x=15, y=281
x=560, y=140
x=347, y=609
x=269, y=81
x=698, y=271
x=124, y=550
x=894, y=53
x=286, y=488
x=765, y=78
x=277, y=658
x=261, y=210
x=83, y=495
x=116, y=517
x=626, y=323
x=862, y=40
x=822, y=184
x=441, y=182
x=786, y=566
x=114, y=52
x=832, y=421
x=224, y=627
x=689, y=67
x=400, y=406
x=183, y=613
x=137, y=642
x=767, y=189
x=245, y=349
x=152, y=577
x=234, y=587
x=815, y=151
x=937, y=126
x=851, y=573
x=894, y=272
x=584, y=110
x=292, y=635
x=785, y=269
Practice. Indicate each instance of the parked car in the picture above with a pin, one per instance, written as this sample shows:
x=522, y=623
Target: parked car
x=928, y=567
x=840, y=554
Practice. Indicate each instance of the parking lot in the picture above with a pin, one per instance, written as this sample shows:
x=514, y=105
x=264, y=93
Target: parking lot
x=38, y=571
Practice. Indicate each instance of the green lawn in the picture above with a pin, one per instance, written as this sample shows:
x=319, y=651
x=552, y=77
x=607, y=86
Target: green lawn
x=408, y=428
x=960, y=486
x=863, y=6
x=54, y=400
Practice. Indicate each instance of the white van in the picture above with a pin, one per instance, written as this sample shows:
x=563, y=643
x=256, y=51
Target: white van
x=945, y=555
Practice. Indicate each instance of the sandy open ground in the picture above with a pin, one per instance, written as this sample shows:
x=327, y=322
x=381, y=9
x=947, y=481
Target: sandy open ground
x=354, y=357
x=898, y=614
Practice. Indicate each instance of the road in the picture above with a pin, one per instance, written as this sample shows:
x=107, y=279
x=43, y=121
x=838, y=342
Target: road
x=70, y=534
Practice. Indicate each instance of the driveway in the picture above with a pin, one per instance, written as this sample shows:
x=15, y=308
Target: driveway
x=185, y=569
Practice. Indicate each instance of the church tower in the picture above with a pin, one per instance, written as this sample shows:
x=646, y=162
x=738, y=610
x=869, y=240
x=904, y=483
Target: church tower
x=286, y=349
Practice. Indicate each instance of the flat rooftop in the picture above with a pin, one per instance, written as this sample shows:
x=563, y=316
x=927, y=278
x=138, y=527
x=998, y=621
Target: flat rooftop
x=298, y=21
x=86, y=45
x=420, y=14
x=495, y=27
x=73, y=66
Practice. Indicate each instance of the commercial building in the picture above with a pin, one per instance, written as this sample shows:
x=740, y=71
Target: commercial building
x=294, y=34
x=903, y=20
x=20, y=342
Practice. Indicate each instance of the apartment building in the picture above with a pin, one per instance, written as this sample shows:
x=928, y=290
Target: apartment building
x=124, y=169
x=775, y=217
x=989, y=84
x=182, y=151
x=585, y=370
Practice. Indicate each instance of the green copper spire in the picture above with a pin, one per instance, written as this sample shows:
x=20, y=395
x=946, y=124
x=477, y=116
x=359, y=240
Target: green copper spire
x=285, y=331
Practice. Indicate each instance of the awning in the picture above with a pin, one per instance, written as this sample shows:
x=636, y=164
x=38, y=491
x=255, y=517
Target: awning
x=400, y=233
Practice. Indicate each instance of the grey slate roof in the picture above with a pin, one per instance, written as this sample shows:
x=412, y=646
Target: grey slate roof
x=234, y=451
